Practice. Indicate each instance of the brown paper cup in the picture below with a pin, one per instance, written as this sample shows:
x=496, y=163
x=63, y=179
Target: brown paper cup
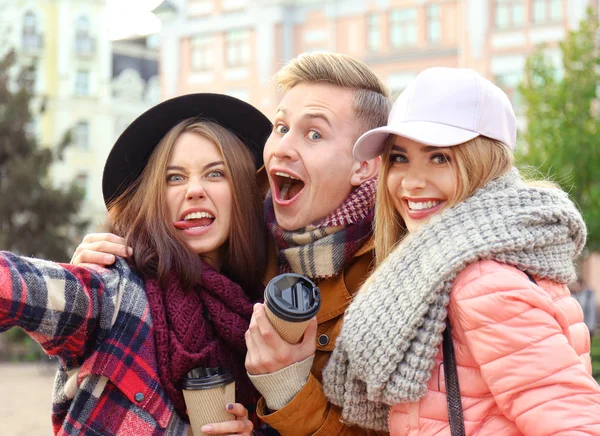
x=291, y=332
x=207, y=406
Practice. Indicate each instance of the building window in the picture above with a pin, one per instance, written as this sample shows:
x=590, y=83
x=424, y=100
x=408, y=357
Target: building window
x=200, y=7
x=81, y=180
x=27, y=79
x=84, y=43
x=202, y=53
x=403, y=27
x=237, y=48
x=373, y=32
x=434, y=25
x=547, y=11
x=509, y=13
x=234, y=5
x=82, y=83
x=81, y=135
x=241, y=94
x=32, y=39
x=509, y=82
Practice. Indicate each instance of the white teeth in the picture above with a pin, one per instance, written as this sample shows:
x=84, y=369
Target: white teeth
x=279, y=173
x=422, y=205
x=197, y=215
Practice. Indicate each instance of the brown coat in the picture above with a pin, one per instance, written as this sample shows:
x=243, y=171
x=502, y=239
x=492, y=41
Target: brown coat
x=309, y=412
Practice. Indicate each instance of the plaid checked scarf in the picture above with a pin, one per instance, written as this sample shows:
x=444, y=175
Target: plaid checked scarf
x=322, y=249
x=203, y=327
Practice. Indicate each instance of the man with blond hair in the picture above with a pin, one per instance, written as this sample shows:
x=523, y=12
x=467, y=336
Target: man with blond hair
x=319, y=210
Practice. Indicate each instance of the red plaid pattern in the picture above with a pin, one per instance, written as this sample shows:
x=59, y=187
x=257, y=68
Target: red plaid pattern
x=97, y=321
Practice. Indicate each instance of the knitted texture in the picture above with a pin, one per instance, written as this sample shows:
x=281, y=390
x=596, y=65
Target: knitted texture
x=393, y=329
x=321, y=250
x=202, y=327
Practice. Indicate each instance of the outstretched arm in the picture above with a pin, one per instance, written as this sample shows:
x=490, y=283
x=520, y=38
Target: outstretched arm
x=65, y=308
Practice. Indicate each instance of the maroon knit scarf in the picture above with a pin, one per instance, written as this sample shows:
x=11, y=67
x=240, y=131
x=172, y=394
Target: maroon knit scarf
x=202, y=327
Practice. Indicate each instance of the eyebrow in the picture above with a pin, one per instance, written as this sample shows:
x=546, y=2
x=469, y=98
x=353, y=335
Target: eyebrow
x=318, y=115
x=426, y=149
x=204, y=168
x=308, y=115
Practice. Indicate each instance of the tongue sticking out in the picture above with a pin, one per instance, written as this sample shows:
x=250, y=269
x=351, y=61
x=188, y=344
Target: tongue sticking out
x=188, y=224
x=290, y=189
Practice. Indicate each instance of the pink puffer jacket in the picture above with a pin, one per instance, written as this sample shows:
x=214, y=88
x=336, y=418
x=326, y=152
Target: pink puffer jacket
x=523, y=361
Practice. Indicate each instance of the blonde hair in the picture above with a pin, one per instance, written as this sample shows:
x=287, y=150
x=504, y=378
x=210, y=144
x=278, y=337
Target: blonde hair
x=478, y=161
x=371, y=102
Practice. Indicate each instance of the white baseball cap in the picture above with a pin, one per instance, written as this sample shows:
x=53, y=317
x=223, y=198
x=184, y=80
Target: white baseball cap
x=443, y=107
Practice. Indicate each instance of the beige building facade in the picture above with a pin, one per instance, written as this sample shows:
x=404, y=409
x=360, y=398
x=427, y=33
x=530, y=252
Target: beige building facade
x=235, y=46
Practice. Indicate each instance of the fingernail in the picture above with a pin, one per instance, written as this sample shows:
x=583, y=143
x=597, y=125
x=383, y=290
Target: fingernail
x=129, y=251
x=230, y=406
x=108, y=258
x=206, y=428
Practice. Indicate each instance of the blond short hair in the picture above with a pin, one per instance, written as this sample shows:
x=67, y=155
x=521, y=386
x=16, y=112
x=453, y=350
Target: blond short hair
x=371, y=101
x=478, y=161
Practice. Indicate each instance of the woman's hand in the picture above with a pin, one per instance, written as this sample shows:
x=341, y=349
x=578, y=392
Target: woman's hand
x=242, y=426
x=101, y=249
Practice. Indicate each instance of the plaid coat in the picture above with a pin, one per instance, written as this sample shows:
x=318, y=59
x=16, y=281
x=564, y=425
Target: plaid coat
x=97, y=321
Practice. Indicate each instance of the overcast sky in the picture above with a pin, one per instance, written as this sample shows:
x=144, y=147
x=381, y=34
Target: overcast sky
x=130, y=17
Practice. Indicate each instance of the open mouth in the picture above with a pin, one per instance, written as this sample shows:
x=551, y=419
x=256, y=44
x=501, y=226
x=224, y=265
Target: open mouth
x=287, y=186
x=195, y=220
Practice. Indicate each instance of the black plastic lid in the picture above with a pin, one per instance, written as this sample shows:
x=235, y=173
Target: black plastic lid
x=206, y=378
x=292, y=297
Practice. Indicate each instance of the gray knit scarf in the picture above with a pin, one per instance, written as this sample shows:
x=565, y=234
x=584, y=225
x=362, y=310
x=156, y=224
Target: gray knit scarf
x=392, y=331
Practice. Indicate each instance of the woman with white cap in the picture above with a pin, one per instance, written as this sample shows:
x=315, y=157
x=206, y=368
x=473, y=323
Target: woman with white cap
x=466, y=326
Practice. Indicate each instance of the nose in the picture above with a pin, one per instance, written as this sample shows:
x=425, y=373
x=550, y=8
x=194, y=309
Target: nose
x=414, y=179
x=285, y=147
x=195, y=189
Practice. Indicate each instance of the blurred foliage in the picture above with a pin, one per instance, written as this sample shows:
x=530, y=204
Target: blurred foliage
x=563, y=119
x=36, y=218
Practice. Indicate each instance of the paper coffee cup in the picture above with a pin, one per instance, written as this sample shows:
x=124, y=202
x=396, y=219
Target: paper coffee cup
x=291, y=301
x=207, y=391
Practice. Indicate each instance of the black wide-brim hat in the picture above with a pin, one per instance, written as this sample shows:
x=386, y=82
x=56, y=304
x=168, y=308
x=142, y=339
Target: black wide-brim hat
x=131, y=152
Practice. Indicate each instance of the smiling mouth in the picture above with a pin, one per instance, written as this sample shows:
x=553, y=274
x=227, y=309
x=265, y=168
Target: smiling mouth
x=288, y=187
x=422, y=205
x=195, y=220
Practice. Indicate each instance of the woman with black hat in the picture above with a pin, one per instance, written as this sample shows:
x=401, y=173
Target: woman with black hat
x=179, y=184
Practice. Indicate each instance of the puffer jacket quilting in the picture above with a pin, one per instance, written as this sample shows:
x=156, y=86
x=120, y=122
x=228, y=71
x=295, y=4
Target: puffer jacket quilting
x=523, y=361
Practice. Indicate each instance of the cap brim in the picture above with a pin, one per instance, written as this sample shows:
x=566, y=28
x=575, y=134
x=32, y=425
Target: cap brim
x=132, y=150
x=371, y=143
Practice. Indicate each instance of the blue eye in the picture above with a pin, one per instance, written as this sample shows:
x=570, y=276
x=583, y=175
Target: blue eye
x=398, y=158
x=440, y=158
x=281, y=129
x=215, y=174
x=174, y=177
x=313, y=135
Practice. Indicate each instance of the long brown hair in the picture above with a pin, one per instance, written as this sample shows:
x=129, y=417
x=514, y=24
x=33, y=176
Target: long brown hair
x=141, y=214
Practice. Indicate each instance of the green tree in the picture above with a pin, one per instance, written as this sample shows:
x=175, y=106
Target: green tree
x=36, y=218
x=563, y=122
